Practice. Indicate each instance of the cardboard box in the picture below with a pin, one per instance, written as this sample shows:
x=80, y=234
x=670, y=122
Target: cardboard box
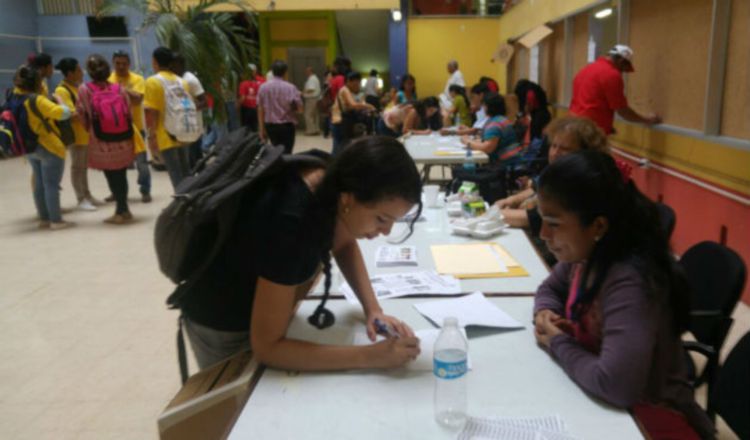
x=210, y=401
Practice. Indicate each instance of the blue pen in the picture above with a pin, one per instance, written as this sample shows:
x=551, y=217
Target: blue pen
x=382, y=328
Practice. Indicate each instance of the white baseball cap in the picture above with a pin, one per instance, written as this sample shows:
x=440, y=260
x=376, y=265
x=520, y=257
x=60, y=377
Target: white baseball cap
x=624, y=52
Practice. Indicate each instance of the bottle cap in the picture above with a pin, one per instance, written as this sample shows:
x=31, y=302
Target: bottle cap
x=450, y=321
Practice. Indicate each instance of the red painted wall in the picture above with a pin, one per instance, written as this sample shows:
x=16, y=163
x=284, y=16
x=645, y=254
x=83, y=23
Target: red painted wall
x=701, y=213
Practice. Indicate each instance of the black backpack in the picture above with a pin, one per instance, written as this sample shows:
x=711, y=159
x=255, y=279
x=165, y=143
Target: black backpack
x=67, y=135
x=193, y=228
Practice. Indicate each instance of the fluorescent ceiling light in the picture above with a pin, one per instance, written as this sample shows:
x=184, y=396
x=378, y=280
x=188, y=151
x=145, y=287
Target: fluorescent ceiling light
x=604, y=13
x=396, y=15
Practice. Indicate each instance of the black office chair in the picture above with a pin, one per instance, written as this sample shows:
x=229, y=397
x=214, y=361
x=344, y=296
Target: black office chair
x=667, y=218
x=731, y=396
x=716, y=276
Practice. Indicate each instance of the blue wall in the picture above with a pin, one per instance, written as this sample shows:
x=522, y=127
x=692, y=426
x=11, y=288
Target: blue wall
x=20, y=17
x=75, y=26
x=397, y=44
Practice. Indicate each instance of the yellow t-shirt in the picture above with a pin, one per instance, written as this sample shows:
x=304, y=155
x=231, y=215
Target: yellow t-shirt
x=154, y=99
x=134, y=83
x=137, y=84
x=49, y=140
x=44, y=91
x=64, y=91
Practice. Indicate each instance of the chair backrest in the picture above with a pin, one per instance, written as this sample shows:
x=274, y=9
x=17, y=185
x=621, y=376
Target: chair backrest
x=716, y=275
x=730, y=397
x=667, y=218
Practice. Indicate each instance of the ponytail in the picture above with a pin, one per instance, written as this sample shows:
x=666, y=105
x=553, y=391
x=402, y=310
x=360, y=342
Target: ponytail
x=589, y=184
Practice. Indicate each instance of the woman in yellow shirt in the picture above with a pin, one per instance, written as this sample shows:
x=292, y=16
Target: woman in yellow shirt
x=48, y=159
x=67, y=93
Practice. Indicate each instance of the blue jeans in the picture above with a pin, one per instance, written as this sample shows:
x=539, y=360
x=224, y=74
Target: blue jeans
x=177, y=162
x=48, y=171
x=144, y=174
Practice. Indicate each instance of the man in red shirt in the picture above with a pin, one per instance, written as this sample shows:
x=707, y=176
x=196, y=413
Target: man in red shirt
x=599, y=92
x=248, y=96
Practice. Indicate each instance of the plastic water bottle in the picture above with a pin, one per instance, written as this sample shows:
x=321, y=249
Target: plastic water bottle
x=469, y=164
x=450, y=368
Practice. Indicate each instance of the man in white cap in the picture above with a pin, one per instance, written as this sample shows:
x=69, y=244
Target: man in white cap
x=599, y=91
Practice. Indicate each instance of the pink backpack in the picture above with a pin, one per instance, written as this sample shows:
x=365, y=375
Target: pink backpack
x=110, y=113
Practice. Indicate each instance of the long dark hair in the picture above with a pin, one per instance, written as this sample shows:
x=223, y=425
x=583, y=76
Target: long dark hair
x=421, y=107
x=589, y=184
x=405, y=78
x=458, y=90
x=372, y=169
x=540, y=116
x=27, y=78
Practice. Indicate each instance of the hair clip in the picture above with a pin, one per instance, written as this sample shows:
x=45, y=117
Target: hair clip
x=625, y=170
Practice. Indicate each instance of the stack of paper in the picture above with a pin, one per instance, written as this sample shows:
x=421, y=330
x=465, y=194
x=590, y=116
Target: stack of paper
x=476, y=260
x=450, y=151
x=529, y=428
x=470, y=310
x=392, y=256
x=413, y=283
x=427, y=338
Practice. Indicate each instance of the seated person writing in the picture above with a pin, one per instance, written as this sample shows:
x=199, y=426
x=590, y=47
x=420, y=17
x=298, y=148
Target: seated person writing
x=567, y=134
x=284, y=235
x=479, y=113
x=423, y=117
x=612, y=311
x=499, y=140
x=392, y=122
x=458, y=113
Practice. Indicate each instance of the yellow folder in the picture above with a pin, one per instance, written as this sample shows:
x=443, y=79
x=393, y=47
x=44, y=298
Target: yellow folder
x=476, y=260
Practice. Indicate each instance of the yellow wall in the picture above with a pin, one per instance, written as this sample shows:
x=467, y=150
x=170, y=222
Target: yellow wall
x=530, y=14
x=309, y=5
x=432, y=42
x=299, y=30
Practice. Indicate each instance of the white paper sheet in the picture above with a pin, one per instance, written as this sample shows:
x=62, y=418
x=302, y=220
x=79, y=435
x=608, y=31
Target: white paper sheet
x=524, y=428
x=470, y=310
x=392, y=256
x=427, y=338
x=407, y=283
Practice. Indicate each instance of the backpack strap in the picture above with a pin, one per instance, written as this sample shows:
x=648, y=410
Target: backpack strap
x=70, y=92
x=34, y=109
x=181, y=351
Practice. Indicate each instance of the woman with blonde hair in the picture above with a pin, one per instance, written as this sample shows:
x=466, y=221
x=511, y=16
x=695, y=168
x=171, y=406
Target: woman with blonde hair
x=566, y=135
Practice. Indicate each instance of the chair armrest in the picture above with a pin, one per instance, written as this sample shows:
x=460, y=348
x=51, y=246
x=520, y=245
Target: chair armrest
x=698, y=347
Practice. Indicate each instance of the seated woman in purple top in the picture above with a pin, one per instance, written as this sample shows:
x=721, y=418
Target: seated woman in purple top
x=613, y=309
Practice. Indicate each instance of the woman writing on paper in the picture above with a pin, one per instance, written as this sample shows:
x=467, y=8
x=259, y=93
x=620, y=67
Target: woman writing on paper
x=498, y=140
x=613, y=309
x=283, y=237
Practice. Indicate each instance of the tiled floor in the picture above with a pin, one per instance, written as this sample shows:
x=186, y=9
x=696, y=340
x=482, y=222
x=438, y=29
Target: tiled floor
x=87, y=341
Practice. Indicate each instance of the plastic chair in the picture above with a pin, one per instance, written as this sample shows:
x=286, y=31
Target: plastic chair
x=667, y=218
x=731, y=396
x=716, y=276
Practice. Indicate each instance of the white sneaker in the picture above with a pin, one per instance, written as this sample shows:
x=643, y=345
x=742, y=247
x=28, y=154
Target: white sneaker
x=86, y=205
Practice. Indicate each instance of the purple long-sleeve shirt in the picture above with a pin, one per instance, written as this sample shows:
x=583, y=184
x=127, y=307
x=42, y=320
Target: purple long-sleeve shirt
x=640, y=358
x=279, y=100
